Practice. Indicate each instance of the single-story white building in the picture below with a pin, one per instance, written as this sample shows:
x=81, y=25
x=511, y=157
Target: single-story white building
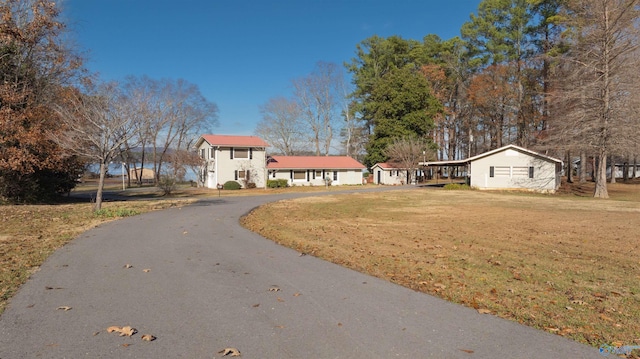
x=511, y=168
x=387, y=174
x=315, y=170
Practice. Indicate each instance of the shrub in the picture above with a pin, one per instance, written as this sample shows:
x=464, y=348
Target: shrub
x=456, y=186
x=278, y=183
x=232, y=185
x=167, y=184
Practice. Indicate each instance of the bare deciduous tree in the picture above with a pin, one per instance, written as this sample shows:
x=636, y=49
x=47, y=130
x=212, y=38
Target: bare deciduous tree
x=407, y=153
x=94, y=127
x=168, y=115
x=316, y=95
x=281, y=126
x=597, y=91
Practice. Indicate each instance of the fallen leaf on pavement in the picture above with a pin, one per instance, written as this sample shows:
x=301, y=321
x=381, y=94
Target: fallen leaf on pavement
x=467, y=351
x=230, y=351
x=127, y=266
x=64, y=307
x=124, y=331
x=484, y=311
x=274, y=289
x=146, y=270
x=148, y=337
x=127, y=331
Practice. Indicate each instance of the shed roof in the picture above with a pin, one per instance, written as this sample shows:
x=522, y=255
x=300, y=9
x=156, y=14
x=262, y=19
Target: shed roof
x=313, y=162
x=516, y=148
x=386, y=166
x=489, y=153
x=228, y=140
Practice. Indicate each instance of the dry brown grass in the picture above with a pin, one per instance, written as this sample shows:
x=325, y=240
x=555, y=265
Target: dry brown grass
x=565, y=263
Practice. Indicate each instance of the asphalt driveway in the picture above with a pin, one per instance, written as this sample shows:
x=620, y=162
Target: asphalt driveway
x=200, y=283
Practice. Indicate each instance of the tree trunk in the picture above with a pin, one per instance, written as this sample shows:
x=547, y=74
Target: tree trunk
x=601, y=177
x=569, y=168
x=625, y=169
x=613, y=171
x=583, y=167
x=103, y=172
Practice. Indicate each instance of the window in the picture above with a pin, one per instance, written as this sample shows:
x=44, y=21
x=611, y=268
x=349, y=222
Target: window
x=242, y=175
x=212, y=152
x=335, y=175
x=318, y=174
x=502, y=171
x=242, y=153
x=492, y=171
x=299, y=175
x=520, y=171
x=531, y=172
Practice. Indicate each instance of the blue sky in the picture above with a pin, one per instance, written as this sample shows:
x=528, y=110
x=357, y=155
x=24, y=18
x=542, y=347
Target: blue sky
x=240, y=53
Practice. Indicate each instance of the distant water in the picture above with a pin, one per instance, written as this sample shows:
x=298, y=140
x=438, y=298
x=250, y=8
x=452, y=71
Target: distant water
x=116, y=170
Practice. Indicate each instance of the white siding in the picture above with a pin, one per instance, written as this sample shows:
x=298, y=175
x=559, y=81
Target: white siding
x=388, y=176
x=338, y=177
x=221, y=167
x=511, y=171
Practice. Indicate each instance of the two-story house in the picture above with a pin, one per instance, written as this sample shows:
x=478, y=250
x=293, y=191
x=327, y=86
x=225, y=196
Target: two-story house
x=232, y=158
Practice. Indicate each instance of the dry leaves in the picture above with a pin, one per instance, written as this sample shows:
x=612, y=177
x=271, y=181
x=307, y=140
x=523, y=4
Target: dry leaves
x=274, y=289
x=148, y=337
x=126, y=331
x=146, y=270
x=483, y=311
x=64, y=307
x=127, y=266
x=230, y=351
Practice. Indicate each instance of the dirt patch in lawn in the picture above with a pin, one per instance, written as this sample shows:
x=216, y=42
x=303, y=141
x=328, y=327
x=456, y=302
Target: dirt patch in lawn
x=567, y=264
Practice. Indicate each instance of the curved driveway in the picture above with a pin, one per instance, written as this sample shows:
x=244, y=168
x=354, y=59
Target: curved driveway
x=209, y=286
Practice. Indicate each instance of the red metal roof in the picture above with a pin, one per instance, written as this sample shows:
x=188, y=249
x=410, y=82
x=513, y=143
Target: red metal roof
x=227, y=140
x=313, y=162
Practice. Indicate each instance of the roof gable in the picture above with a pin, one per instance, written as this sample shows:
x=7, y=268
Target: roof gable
x=515, y=148
x=313, y=162
x=228, y=140
x=386, y=166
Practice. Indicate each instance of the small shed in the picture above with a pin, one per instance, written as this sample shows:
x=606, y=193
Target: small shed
x=387, y=174
x=513, y=167
x=144, y=175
